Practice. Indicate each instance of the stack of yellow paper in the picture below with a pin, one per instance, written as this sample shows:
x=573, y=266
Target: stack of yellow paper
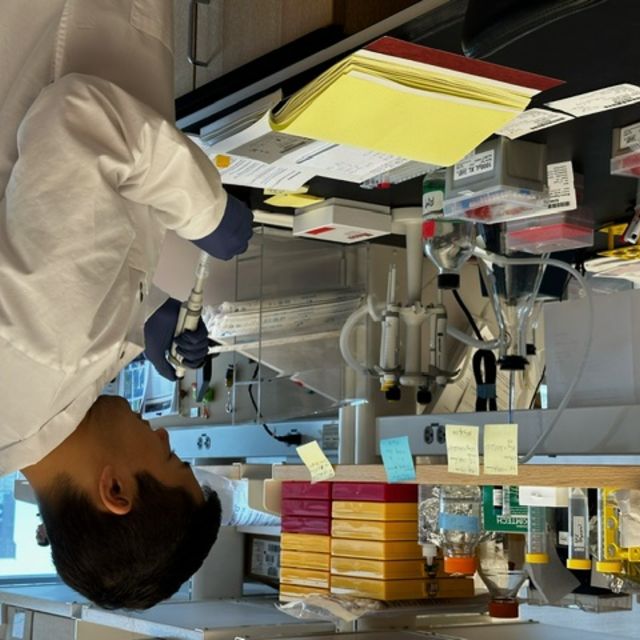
x=404, y=99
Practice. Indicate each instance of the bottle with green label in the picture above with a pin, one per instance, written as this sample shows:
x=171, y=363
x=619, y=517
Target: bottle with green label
x=447, y=242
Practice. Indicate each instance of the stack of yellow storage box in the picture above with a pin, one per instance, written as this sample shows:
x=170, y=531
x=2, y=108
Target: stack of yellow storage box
x=374, y=549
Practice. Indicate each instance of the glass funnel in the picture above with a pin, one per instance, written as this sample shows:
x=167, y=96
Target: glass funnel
x=512, y=289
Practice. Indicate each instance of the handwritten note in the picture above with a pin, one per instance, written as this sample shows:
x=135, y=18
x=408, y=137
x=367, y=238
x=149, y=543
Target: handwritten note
x=397, y=459
x=314, y=459
x=462, y=449
x=501, y=449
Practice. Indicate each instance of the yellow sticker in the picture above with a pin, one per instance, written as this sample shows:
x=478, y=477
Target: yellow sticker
x=501, y=449
x=462, y=449
x=319, y=467
x=293, y=200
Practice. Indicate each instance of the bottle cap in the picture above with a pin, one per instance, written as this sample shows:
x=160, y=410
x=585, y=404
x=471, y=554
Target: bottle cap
x=608, y=566
x=465, y=565
x=504, y=609
x=581, y=564
x=448, y=281
x=537, y=558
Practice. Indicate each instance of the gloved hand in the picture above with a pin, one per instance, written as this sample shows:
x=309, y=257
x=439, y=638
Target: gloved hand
x=232, y=235
x=158, y=336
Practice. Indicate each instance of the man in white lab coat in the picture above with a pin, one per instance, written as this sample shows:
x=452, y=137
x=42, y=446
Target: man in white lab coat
x=93, y=173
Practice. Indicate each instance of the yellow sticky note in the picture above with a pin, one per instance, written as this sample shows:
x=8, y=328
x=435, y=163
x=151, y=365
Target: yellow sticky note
x=319, y=467
x=501, y=449
x=462, y=449
x=294, y=200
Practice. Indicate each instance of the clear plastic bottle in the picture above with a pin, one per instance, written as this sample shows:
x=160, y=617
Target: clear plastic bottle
x=538, y=535
x=447, y=242
x=501, y=567
x=459, y=524
x=578, y=557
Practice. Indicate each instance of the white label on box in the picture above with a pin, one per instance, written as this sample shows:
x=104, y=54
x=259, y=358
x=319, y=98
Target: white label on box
x=563, y=538
x=630, y=136
x=532, y=120
x=474, y=164
x=562, y=190
x=620, y=95
x=265, y=558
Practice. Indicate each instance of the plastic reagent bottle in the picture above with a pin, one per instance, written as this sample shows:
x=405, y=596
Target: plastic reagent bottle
x=447, y=242
x=538, y=536
x=501, y=567
x=578, y=530
x=459, y=525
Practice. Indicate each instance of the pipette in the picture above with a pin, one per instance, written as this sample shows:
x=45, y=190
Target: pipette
x=190, y=311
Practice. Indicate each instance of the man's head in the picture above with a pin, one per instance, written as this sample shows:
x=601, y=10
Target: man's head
x=127, y=521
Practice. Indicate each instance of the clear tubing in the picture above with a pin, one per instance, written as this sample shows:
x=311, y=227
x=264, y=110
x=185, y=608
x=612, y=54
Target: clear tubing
x=501, y=260
x=345, y=335
x=471, y=341
x=537, y=536
x=578, y=557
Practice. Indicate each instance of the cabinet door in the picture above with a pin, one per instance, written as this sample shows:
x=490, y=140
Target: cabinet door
x=231, y=33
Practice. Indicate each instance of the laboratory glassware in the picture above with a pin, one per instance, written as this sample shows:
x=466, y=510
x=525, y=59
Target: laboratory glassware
x=459, y=526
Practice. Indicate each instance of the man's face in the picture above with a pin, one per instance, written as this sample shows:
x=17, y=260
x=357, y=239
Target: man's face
x=143, y=448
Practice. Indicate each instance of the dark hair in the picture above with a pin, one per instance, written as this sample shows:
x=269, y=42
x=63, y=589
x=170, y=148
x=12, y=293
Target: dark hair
x=130, y=561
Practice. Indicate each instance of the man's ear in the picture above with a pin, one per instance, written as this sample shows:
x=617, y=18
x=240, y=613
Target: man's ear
x=116, y=492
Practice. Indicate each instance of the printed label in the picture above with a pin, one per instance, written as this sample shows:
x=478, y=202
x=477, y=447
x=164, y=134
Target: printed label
x=474, y=164
x=630, y=136
x=562, y=190
x=532, y=120
x=579, y=533
x=619, y=95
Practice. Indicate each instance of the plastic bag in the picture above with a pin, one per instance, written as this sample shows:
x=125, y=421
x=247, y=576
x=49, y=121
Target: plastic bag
x=336, y=609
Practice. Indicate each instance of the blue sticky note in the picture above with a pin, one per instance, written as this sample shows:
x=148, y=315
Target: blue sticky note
x=397, y=460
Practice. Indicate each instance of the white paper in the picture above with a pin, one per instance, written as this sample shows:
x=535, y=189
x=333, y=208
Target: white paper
x=337, y=161
x=253, y=173
x=619, y=95
x=532, y=120
x=612, y=373
x=341, y=161
x=474, y=164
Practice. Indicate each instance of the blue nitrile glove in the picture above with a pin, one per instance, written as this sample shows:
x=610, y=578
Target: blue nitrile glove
x=232, y=235
x=193, y=346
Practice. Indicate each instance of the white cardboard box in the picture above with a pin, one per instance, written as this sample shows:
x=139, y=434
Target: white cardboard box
x=344, y=221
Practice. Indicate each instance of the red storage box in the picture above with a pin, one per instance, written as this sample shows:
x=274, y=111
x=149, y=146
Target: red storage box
x=303, y=524
x=306, y=490
x=375, y=492
x=311, y=508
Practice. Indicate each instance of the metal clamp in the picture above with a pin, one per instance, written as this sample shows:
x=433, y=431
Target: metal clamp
x=192, y=45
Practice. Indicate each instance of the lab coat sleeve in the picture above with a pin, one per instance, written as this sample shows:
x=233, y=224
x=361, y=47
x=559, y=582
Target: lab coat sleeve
x=83, y=122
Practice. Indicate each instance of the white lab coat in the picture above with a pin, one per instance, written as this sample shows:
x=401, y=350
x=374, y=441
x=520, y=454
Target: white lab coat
x=91, y=182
